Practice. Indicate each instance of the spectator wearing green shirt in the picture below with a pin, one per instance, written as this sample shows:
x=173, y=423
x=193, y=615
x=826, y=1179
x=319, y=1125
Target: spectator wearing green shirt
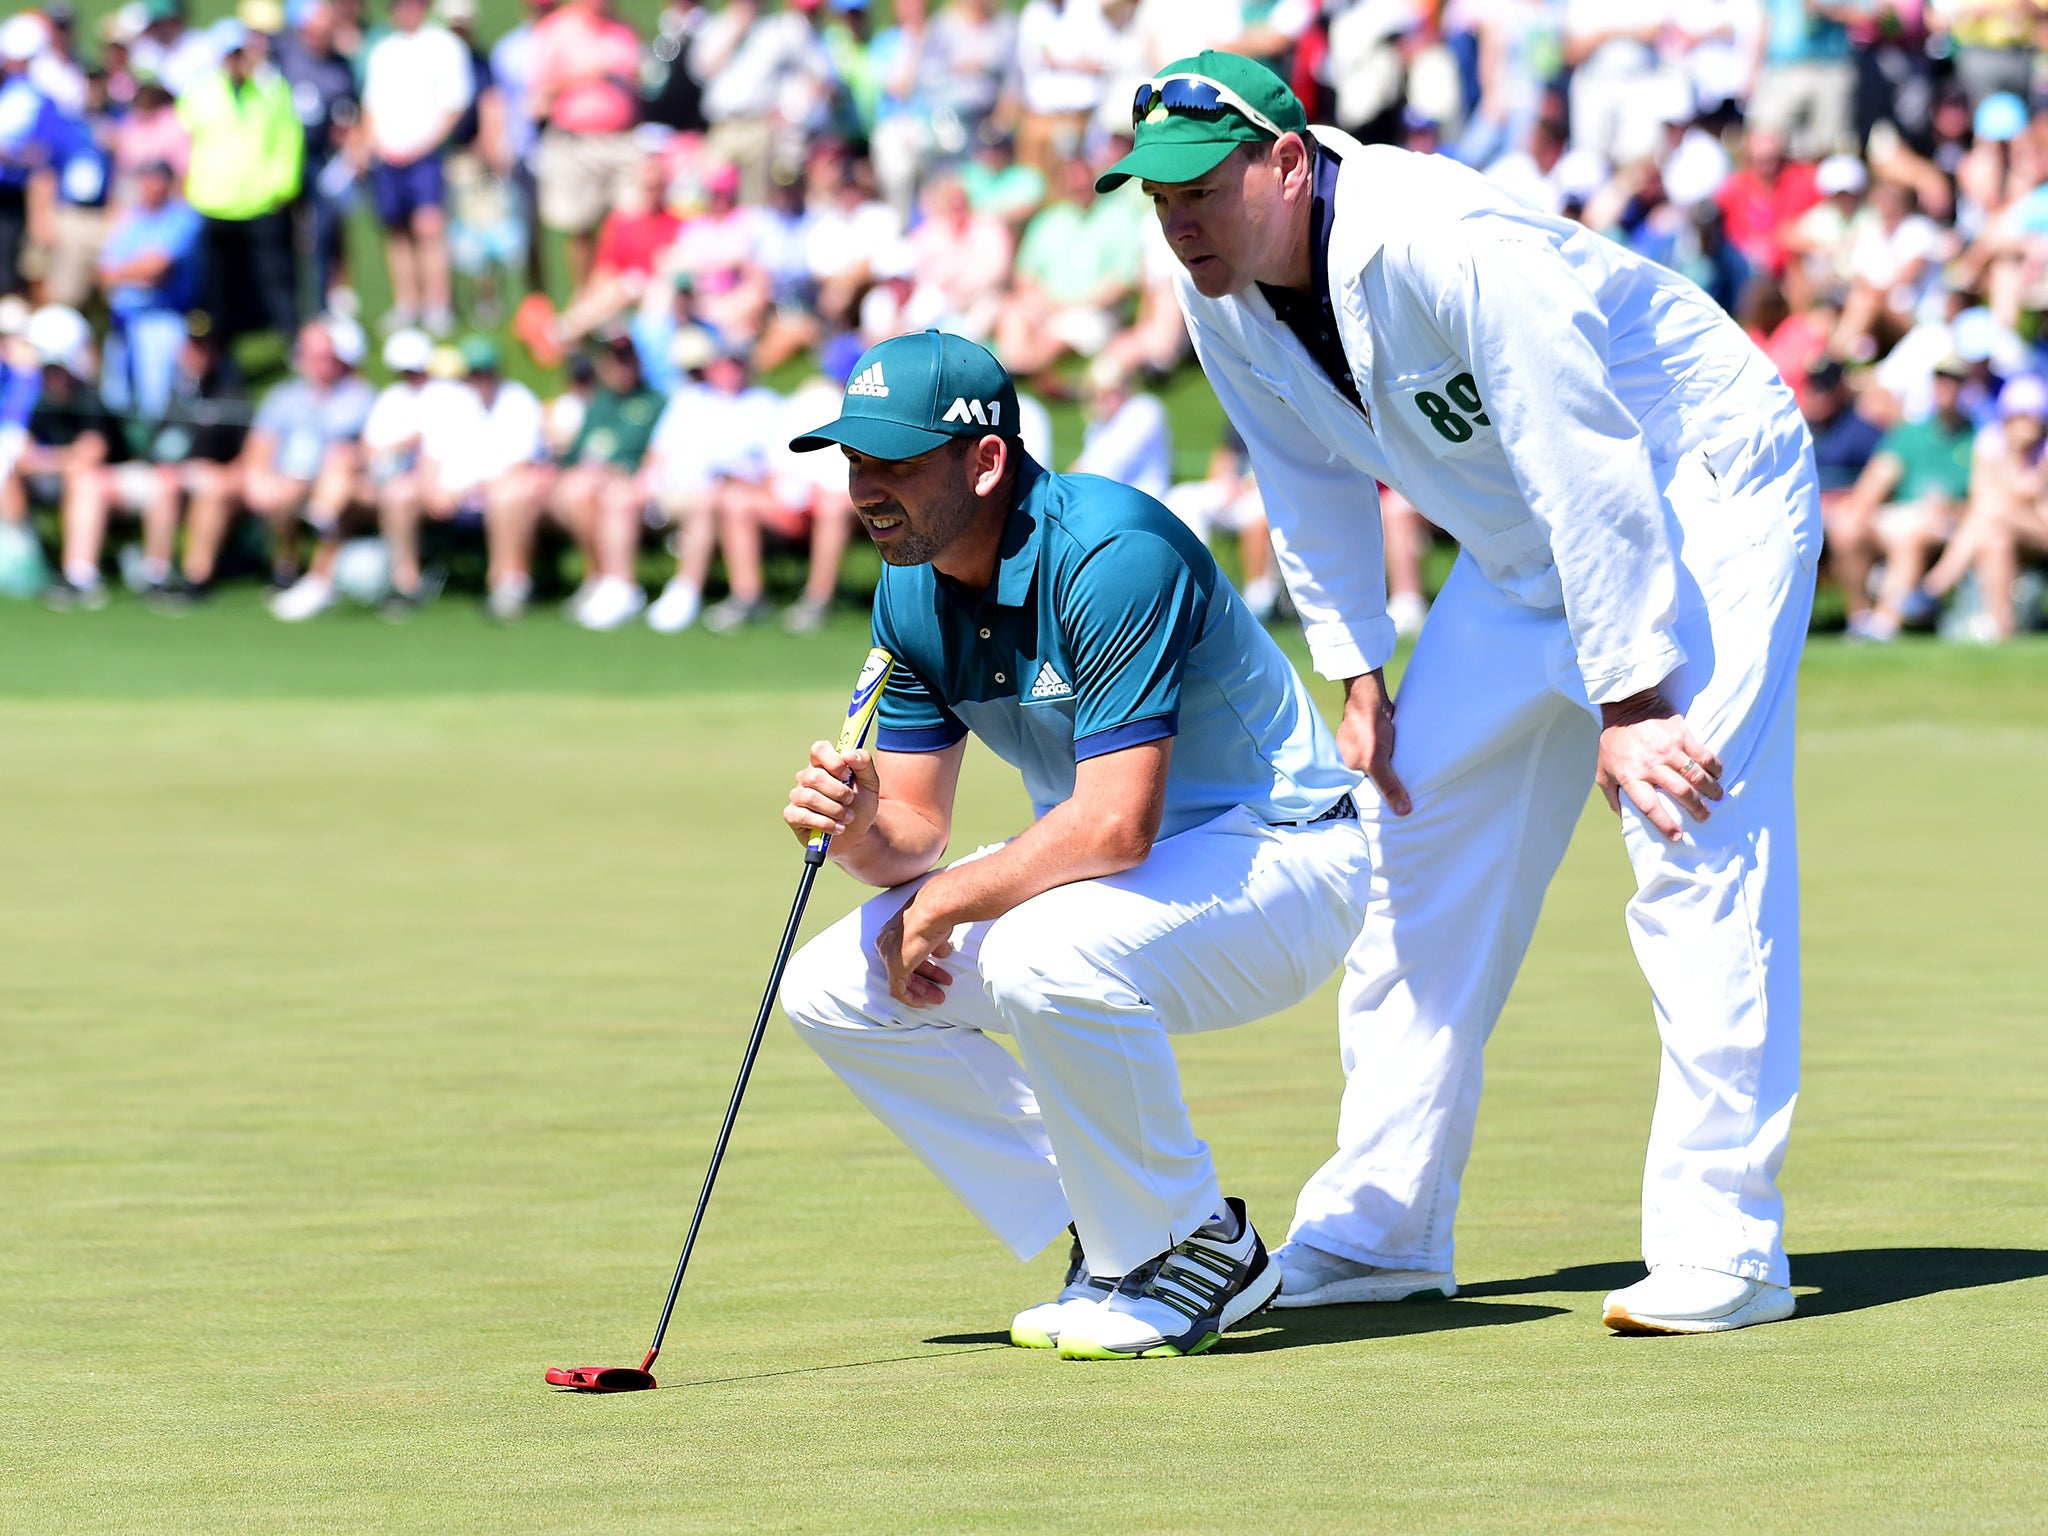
x=998, y=183
x=1077, y=274
x=1904, y=508
x=248, y=150
x=597, y=496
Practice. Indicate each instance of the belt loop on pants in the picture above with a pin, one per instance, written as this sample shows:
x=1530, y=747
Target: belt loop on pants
x=1344, y=810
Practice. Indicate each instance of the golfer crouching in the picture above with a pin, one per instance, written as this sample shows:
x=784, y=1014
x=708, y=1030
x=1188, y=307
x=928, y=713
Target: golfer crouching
x=1195, y=863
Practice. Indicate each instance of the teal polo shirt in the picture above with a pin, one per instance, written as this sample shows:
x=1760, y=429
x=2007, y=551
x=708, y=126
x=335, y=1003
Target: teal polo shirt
x=1107, y=625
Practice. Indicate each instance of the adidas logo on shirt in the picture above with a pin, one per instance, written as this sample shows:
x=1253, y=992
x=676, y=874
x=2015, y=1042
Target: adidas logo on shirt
x=1049, y=684
x=869, y=382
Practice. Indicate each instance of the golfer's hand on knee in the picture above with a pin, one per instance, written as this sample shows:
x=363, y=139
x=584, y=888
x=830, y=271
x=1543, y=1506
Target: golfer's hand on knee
x=824, y=800
x=910, y=946
x=1648, y=753
x=1365, y=737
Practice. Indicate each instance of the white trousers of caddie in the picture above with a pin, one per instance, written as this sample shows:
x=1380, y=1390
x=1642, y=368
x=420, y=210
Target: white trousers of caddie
x=1221, y=925
x=1497, y=746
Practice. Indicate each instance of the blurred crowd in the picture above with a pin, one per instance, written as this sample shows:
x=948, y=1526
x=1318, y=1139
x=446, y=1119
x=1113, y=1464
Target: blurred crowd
x=760, y=190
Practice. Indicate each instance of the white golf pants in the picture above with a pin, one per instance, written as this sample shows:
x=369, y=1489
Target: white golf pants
x=1221, y=925
x=1497, y=744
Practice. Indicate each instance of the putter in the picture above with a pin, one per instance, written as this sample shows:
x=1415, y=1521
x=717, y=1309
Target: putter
x=860, y=714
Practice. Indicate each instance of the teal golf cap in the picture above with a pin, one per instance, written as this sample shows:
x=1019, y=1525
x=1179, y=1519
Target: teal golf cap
x=911, y=394
x=1187, y=118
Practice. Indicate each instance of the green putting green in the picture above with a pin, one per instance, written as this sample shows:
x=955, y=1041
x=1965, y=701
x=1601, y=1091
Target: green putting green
x=371, y=996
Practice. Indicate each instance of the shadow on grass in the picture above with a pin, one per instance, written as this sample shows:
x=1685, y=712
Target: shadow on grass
x=814, y=1370
x=1307, y=1327
x=1846, y=1281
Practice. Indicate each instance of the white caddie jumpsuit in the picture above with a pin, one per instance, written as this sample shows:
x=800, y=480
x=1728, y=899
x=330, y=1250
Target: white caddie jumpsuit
x=1633, y=490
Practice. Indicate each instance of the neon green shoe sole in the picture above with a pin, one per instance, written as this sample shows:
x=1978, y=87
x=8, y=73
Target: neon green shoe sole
x=1082, y=1349
x=1032, y=1338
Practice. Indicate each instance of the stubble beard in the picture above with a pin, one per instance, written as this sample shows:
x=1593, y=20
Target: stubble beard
x=927, y=537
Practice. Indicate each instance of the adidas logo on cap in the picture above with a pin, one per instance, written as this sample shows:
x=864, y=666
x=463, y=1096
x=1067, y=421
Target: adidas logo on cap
x=869, y=382
x=1049, y=684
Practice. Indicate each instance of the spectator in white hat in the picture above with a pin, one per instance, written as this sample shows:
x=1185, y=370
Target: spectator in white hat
x=479, y=440
x=1818, y=245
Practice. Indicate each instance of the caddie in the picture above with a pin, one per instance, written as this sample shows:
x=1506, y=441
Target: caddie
x=1196, y=860
x=1634, y=494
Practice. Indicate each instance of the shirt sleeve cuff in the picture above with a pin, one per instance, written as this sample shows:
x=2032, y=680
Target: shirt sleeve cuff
x=1341, y=651
x=1609, y=678
x=931, y=738
x=1132, y=733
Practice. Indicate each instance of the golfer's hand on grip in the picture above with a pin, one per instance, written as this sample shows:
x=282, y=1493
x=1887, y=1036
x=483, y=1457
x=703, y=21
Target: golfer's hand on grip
x=824, y=800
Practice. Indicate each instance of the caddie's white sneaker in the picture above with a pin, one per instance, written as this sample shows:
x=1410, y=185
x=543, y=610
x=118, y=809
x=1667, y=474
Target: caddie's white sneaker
x=1677, y=1298
x=612, y=601
x=1040, y=1327
x=306, y=598
x=1181, y=1302
x=1310, y=1277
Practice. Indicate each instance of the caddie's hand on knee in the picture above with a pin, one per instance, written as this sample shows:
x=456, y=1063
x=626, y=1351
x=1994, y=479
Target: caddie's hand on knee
x=1648, y=753
x=911, y=947
x=1365, y=737
x=824, y=800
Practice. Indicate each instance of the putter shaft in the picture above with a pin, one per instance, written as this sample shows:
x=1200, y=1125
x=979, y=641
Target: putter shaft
x=814, y=857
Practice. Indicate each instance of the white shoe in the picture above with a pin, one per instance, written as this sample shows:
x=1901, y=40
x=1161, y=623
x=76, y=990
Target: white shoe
x=1677, y=1298
x=1181, y=1302
x=730, y=615
x=1407, y=610
x=1977, y=629
x=1873, y=627
x=676, y=609
x=1040, y=1327
x=1310, y=1277
x=612, y=602
x=306, y=598
x=508, y=599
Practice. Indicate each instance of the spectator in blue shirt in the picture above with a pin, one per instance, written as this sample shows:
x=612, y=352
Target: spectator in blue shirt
x=23, y=110
x=1844, y=439
x=68, y=193
x=152, y=268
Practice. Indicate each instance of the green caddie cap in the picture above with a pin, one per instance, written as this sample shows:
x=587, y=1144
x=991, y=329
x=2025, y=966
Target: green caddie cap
x=911, y=394
x=1189, y=117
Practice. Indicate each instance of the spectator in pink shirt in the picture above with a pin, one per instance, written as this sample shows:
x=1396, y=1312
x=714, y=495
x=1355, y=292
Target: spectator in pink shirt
x=149, y=134
x=963, y=264
x=586, y=63
x=720, y=249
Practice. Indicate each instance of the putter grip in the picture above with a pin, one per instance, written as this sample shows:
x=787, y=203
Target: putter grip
x=860, y=715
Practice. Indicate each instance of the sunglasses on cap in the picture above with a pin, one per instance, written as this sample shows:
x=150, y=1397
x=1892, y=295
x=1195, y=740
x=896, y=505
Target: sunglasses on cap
x=1198, y=97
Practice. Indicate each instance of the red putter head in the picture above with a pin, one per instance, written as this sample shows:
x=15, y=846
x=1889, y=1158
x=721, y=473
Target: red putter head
x=601, y=1378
